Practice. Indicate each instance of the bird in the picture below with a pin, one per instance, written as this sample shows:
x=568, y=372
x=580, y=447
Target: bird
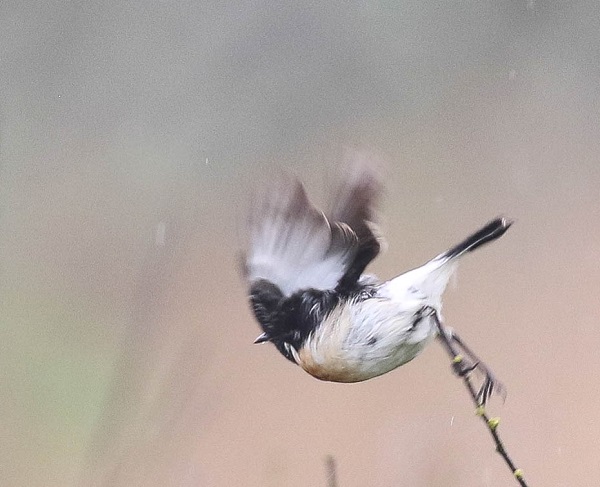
x=308, y=289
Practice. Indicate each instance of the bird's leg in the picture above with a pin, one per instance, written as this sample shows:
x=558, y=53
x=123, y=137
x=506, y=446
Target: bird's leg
x=490, y=383
x=465, y=361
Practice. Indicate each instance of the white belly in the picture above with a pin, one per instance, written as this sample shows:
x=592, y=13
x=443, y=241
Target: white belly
x=365, y=340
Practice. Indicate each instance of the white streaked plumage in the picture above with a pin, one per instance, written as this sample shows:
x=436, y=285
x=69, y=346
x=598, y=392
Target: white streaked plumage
x=293, y=245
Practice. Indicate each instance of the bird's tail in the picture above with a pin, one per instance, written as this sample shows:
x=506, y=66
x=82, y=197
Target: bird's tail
x=432, y=278
x=493, y=230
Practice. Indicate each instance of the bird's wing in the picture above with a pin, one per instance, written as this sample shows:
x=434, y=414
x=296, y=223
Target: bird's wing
x=355, y=205
x=294, y=245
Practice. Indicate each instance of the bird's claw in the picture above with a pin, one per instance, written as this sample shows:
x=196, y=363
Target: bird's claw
x=463, y=368
x=489, y=387
x=465, y=361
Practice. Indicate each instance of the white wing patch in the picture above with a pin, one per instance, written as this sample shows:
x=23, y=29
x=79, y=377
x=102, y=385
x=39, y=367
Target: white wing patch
x=293, y=245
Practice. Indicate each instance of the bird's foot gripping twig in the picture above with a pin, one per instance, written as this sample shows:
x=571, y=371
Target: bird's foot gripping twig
x=464, y=364
x=465, y=361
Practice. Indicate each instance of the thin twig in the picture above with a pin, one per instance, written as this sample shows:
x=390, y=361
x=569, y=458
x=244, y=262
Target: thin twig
x=330, y=469
x=491, y=423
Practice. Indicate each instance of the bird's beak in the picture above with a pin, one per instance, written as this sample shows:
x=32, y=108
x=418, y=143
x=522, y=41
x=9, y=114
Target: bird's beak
x=262, y=338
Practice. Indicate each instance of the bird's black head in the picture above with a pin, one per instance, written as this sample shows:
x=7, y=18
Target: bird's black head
x=288, y=321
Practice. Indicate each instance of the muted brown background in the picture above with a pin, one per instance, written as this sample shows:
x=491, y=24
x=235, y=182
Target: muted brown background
x=126, y=362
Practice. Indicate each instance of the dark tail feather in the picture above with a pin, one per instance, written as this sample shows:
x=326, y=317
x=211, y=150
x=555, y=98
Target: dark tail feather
x=493, y=230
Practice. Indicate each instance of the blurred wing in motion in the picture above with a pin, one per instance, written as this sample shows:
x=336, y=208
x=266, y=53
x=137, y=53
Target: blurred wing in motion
x=293, y=245
x=355, y=205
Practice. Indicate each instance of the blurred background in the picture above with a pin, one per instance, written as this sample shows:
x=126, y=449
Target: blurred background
x=130, y=135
